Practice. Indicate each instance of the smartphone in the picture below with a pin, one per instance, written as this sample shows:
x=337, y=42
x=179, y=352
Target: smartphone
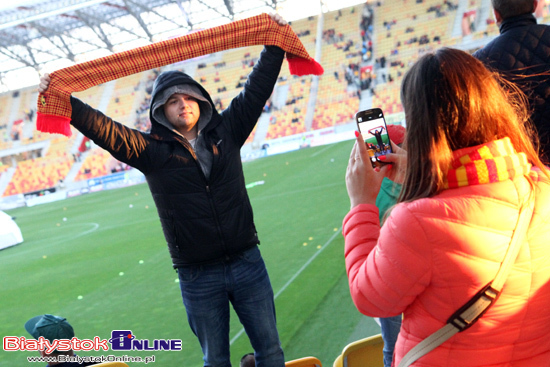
x=372, y=125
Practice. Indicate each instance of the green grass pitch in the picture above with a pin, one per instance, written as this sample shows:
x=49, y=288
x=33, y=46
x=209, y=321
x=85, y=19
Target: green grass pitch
x=107, y=267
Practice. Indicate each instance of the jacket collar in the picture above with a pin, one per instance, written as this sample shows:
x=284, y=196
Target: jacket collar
x=519, y=21
x=162, y=132
x=491, y=162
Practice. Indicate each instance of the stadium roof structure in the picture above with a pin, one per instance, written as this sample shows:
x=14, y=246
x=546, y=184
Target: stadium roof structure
x=39, y=36
x=35, y=34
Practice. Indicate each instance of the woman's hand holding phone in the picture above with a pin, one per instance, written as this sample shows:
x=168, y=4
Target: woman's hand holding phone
x=396, y=164
x=362, y=181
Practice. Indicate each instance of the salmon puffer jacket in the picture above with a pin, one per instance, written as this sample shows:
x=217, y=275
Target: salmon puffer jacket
x=433, y=254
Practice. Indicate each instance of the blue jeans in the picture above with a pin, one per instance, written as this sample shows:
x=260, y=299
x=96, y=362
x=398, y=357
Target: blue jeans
x=390, y=327
x=243, y=281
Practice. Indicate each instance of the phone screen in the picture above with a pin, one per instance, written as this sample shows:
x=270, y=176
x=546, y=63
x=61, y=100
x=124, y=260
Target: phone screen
x=372, y=126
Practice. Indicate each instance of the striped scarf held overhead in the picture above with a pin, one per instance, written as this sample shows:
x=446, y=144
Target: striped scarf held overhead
x=492, y=162
x=54, y=106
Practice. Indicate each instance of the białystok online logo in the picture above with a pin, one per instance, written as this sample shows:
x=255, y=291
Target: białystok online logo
x=120, y=340
x=125, y=340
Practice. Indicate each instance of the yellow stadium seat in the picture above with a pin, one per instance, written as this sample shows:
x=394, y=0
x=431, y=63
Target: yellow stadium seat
x=304, y=362
x=365, y=352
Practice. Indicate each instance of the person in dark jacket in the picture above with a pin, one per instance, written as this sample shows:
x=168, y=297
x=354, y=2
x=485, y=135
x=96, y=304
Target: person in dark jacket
x=192, y=164
x=520, y=54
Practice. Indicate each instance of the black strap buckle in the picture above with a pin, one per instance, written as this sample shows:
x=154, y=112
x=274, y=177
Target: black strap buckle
x=488, y=293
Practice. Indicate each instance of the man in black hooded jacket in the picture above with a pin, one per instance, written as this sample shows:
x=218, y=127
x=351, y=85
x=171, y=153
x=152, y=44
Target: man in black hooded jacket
x=192, y=164
x=521, y=54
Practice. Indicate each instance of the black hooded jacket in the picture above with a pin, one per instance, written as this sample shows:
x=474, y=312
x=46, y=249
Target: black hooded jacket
x=521, y=53
x=204, y=220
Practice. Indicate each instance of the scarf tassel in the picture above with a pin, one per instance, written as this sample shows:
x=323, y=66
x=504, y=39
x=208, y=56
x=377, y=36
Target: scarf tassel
x=53, y=124
x=299, y=66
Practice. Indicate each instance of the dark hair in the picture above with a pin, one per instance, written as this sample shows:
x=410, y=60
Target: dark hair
x=248, y=360
x=513, y=8
x=452, y=101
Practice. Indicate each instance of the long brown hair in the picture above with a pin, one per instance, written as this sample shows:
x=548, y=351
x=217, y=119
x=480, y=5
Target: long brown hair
x=452, y=101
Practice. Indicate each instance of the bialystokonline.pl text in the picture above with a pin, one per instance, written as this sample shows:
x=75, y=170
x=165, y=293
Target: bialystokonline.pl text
x=91, y=359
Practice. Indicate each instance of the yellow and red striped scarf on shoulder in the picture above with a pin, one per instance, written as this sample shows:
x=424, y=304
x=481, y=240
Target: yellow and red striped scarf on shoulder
x=54, y=106
x=491, y=162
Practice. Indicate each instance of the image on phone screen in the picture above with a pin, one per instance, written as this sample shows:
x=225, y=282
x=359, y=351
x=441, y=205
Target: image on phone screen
x=373, y=129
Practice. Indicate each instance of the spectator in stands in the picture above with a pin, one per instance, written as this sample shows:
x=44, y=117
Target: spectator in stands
x=192, y=163
x=520, y=54
x=53, y=327
x=450, y=6
x=447, y=236
x=60, y=185
x=218, y=104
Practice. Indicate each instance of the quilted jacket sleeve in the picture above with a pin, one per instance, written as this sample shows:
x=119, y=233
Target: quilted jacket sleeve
x=387, y=267
x=245, y=109
x=125, y=144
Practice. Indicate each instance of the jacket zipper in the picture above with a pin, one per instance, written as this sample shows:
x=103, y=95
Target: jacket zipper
x=216, y=218
x=209, y=194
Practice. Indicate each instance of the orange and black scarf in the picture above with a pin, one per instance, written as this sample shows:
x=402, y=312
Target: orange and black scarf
x=54, y=106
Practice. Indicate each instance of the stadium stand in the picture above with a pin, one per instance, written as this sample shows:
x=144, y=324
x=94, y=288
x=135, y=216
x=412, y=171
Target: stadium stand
x=122, y=103
x=337, y=100
x=94, y=165
x=288, y=120
x=3, y=168
x=37, y=174
x=405, y=30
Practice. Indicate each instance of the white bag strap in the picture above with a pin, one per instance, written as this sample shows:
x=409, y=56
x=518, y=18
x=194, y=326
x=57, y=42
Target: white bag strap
x=468, y=314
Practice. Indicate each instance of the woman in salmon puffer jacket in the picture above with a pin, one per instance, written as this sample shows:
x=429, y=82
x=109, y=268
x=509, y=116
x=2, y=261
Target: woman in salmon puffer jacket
x=469, y=163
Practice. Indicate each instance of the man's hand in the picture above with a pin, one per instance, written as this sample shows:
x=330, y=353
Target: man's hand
x=278, y=19
x=44, y=83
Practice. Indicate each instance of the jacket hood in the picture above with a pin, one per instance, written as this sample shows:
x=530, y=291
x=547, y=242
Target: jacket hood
x=172, y=79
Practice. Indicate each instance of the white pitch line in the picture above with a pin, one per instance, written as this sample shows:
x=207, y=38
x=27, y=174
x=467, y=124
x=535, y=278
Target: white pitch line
x=308, y=189
x=321, y=151
x=48, y=243
x=95, y=226
x=294, y=277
